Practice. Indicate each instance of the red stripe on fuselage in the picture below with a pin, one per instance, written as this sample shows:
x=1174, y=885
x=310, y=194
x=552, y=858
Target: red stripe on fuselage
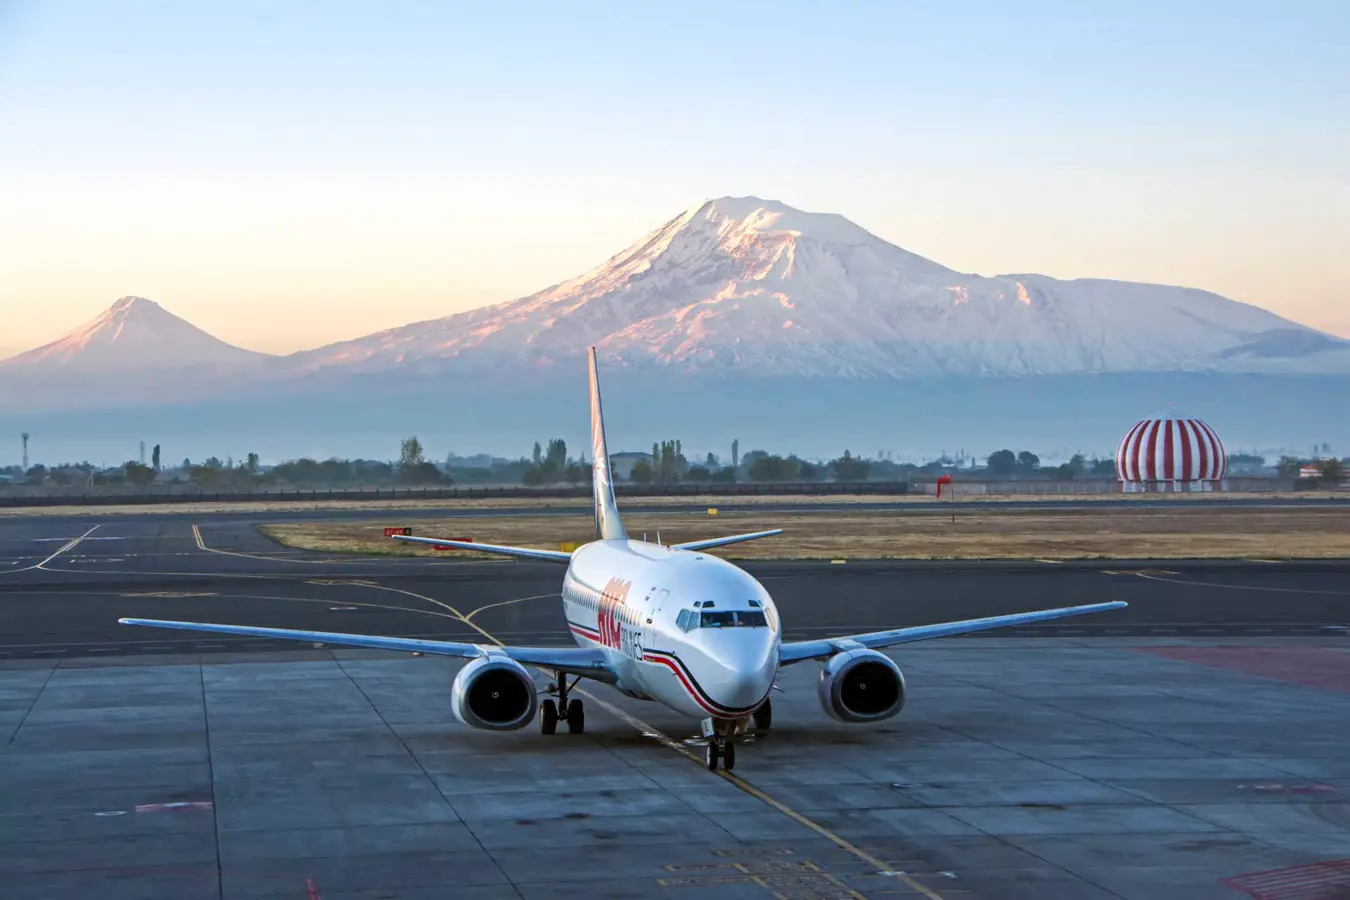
x=676, y=665
x=689, y=688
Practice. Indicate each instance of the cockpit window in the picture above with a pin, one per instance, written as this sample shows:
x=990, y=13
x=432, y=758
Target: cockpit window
x=746, y=618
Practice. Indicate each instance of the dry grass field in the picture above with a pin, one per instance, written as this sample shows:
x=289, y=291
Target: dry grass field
x=1111, y=533
x=582, y=503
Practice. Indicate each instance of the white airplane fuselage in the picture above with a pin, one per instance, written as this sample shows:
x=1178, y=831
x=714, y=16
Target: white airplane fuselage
x=684, y=628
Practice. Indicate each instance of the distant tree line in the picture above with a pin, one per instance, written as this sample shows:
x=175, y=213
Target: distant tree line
x=549, y=464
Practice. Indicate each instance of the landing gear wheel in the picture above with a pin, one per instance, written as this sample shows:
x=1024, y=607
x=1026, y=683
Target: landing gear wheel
x=764, y=716
x=576, y=717
x=710, y=755
x=548, y=717
x=729, y=756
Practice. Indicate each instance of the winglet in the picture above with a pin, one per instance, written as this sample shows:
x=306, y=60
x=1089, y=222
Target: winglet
x=608, y=526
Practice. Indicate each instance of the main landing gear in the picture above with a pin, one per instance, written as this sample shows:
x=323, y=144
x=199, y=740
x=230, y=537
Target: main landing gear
x=763, y=717
x=569, y=711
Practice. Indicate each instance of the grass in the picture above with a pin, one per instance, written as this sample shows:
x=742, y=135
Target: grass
x=1118, y=533
x=584, y=503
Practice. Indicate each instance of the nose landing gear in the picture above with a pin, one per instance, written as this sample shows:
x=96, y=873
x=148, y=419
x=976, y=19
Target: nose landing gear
x=721, y=742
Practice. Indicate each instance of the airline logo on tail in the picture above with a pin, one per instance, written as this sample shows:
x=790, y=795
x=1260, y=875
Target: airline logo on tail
x=607, y=521
x=599, y=469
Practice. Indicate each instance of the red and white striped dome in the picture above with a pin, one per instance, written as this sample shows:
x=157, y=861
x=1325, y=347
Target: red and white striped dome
x=1171, y=450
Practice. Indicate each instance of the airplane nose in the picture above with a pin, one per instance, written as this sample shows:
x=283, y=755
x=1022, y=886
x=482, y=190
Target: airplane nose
x=747, y=673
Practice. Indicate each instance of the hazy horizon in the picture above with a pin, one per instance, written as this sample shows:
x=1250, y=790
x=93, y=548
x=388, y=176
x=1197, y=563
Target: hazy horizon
x=289, y=177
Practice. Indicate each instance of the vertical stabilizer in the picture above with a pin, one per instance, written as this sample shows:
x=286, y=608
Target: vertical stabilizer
x=608, y=527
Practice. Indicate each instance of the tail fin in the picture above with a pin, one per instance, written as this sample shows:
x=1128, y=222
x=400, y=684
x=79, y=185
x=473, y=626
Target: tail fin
x=608, y=526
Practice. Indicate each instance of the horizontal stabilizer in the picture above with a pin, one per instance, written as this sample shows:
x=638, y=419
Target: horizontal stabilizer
x=723, y=541
x=588, y=661
x=518, y=552
x=876, y=640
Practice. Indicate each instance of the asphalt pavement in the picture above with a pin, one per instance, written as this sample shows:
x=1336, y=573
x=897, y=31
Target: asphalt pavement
x=64, y=584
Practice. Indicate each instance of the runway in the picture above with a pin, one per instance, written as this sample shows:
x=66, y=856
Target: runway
x=258, y=513
x=1191, y=746
x=63, y=587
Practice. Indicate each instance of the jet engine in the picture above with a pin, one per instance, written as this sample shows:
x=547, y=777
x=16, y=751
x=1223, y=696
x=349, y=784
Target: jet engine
x=496, y=693
x=861, y=685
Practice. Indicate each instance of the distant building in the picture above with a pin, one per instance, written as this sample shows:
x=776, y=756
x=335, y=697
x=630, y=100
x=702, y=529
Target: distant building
x=1167, y=455
x=621, y=464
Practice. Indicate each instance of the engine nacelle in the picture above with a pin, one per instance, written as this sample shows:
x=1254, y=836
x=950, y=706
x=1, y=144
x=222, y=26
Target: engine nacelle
x=496, y=693
x=861, y=686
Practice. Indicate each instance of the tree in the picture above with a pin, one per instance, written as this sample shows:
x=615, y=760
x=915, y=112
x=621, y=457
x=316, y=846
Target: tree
x=1077, y=465
x=538, y=453
x=710, y=461
x=556, y=457
x=850, y=468
x=770, y=468
x=1331, y=469
x=154, y=457
x=423, y=473
x=1028, y=462
x=1103, y=467
x=252, y=463
x=411, y=455
x=641, y=472
x=1002, y=462
x=138, y=473
x=807, y=471
x=698, y=474
x=1288, y=466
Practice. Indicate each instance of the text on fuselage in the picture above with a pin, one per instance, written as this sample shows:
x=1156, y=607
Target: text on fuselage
x=616, y=629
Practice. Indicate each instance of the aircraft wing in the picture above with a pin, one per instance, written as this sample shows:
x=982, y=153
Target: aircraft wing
x=590, y=662
x=798, y=651
x=723, y=541
x=519, y=552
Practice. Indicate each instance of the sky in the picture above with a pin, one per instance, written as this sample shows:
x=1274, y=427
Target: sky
x=288, y=175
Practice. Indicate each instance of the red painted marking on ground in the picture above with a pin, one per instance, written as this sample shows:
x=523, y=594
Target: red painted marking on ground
x=1320, y=667
x=311, y=890
x=1317, y=881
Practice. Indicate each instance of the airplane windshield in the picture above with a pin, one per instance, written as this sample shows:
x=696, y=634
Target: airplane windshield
x=751, y=618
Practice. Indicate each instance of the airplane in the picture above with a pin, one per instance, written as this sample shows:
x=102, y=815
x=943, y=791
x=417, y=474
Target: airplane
x=665, y=623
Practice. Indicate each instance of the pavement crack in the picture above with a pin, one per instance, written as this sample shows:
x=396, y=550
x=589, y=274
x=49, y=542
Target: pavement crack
x=29, y=711
x=211, y=774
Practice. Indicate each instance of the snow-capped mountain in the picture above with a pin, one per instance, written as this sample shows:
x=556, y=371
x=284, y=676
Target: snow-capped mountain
x=747, y=285
x=133, y=336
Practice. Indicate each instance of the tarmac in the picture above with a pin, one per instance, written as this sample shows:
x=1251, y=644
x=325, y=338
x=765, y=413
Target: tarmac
x=244, y=513
x=1192, y=746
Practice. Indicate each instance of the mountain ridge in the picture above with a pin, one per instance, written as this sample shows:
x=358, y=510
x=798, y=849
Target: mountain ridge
x=742, y=287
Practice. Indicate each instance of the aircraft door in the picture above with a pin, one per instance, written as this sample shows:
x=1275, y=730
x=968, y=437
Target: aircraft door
x=658, y=602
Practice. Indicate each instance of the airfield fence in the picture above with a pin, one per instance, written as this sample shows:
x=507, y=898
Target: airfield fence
x=57, y=497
